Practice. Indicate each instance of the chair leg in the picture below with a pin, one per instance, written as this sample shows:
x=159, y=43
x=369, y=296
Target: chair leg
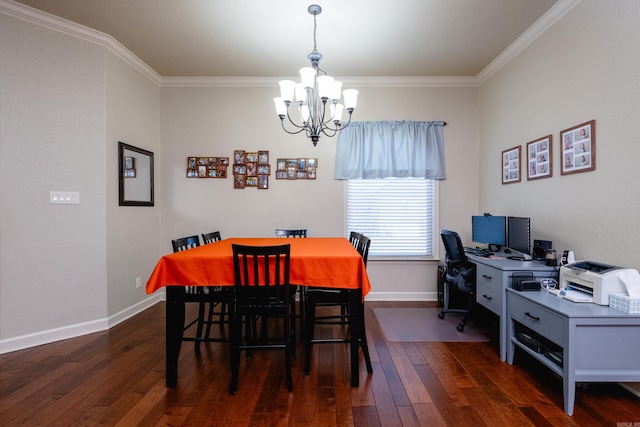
x=235, y=330
x=200, y=324
x=365, y=346
x=310, y=318
x=288, y=351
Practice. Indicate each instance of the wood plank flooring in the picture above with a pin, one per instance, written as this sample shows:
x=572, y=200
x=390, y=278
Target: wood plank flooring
x=116, y=378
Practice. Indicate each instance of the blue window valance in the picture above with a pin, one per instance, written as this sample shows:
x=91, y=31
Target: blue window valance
x=390, y=149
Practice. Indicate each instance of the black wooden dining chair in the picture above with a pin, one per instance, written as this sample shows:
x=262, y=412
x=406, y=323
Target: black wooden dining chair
x=262, y=288
x=216, y=317
x=328, y=297
x=296, y=233
x=202, y=295
x=280, y=232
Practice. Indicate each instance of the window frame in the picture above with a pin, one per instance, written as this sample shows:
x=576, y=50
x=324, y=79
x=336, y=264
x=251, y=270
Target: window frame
x=435, y=256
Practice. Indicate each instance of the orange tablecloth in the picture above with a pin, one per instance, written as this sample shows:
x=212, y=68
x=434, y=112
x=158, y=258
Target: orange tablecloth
x=316, y=261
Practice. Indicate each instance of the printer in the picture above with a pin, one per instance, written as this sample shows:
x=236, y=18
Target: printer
x=589, y=281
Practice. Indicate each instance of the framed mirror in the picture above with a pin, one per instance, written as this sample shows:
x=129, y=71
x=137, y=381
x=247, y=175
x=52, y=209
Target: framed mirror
x=135, y=175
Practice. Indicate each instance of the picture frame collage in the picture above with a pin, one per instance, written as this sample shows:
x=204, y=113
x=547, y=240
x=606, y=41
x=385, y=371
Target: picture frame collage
x=207, y=167
x=251, y=169
x=296, y=168
x=577, y=154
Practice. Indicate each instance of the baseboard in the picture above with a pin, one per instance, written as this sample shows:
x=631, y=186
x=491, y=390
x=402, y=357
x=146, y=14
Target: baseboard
x=633, y=388
x=402, y=296
x=72, y=331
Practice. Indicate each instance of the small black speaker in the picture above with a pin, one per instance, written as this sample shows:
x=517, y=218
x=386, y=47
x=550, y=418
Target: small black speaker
x=540, y=248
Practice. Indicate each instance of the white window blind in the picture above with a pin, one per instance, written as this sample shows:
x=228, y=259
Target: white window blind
x=398, y=214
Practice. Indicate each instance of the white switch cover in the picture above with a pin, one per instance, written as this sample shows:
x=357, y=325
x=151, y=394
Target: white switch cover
x=64, y=197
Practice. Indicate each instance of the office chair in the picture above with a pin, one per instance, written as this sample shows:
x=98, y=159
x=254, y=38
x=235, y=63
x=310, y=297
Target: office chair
x=202, y=295
x=334, y=297
x=261, y=279
x=460, y=274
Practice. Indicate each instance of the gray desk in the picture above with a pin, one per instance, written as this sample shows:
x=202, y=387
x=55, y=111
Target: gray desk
x=493, y=277
x=597, y=342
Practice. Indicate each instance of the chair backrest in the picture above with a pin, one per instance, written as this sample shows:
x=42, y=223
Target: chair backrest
x=262, y=272
x=185, y=243
x=458, y=268
x=214, y=236
x=361, y=243
x=291, y=233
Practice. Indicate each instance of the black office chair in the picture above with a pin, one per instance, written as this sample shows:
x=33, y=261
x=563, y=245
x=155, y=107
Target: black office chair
x=203, y=295
x=460, y=275
x=316, y=297
x=261, y=289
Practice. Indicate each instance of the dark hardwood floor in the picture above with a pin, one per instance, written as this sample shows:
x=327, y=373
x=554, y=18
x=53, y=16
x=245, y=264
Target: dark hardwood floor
x=116, y=377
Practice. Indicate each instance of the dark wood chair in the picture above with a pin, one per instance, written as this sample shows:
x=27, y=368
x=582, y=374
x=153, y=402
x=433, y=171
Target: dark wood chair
x=262, y=288
x=208, y=238
x=328, y=297
x=202, y=295
x=212, y=237
x=291, y=233
x=296, y=233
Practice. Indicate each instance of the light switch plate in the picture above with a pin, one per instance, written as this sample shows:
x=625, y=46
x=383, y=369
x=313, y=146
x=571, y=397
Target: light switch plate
x=64, y=197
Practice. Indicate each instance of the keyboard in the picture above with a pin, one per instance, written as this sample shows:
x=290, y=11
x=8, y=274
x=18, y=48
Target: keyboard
x=477, y=252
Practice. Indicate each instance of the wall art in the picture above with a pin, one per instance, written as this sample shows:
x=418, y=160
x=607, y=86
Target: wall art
x=511, y=165
x=207, y=167
x=539, y=158
x=578, y=148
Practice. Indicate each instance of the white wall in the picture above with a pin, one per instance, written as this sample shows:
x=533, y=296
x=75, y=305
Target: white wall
x=584, y=67
x=217, y=121
x=133, y=117
x=52, y=128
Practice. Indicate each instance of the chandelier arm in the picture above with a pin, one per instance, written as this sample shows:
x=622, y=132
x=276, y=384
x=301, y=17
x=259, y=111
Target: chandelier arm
x=300, y=128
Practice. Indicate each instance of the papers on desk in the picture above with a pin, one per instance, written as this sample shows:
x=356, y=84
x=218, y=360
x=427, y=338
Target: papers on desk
x=572, y=295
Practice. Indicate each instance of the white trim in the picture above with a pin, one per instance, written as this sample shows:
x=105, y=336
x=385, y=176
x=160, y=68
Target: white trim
x=73, y=29
x=72, y=331
x=402, y=296
x=532, y=33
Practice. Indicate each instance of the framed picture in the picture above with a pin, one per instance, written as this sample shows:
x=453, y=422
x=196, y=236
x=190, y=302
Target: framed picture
x=251, y=157
x=251, y=181
x=511, y=165
x=238, y=181
x=238, y=157
x=578, y=148
x=264, y=169
x=129, y=163
x=207, y=167
x=295, y=168
x=263, y=157
x=539, y=158
x=263, y=182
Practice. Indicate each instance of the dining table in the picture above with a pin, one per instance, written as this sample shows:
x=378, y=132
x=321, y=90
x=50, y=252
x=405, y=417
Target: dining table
x=327, y=262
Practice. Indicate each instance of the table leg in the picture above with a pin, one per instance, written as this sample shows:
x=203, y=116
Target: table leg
x=355, y=327
x=174, y=331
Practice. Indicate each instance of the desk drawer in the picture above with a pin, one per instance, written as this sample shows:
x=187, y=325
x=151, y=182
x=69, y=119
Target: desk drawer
x=488, y=276
x=537, y=318
x=490, y=297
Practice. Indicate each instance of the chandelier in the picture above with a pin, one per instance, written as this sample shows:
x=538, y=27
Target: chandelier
x=316, y=90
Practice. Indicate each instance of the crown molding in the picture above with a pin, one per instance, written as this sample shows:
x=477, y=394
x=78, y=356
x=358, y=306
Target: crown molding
x=73, y=29
x=271, y=82
x=538, y=28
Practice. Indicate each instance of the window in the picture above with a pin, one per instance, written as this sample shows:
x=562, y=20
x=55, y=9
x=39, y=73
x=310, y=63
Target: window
x=398, y=214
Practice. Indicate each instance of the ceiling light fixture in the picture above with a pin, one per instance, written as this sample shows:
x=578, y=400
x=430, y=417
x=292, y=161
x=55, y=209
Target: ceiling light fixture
x=316, y=90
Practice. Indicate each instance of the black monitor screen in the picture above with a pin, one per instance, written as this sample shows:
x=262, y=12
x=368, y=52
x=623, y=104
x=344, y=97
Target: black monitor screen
x=519, y=234
x=488, y=229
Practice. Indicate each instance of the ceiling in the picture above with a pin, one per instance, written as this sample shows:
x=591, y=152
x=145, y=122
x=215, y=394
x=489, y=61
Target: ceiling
x=260, y=38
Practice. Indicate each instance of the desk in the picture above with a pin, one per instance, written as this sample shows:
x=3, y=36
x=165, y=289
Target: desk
x=597, y=343
x=493, y=277
x=319, y=262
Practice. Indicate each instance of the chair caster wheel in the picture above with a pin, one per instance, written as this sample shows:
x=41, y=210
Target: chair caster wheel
x=460, y=327
x=441, y=315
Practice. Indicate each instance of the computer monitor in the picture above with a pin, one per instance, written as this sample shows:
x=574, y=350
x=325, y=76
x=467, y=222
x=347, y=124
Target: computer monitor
x=519, y=234
x=488, y=229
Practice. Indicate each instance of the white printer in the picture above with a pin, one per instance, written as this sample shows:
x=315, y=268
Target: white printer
x=589, y=281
